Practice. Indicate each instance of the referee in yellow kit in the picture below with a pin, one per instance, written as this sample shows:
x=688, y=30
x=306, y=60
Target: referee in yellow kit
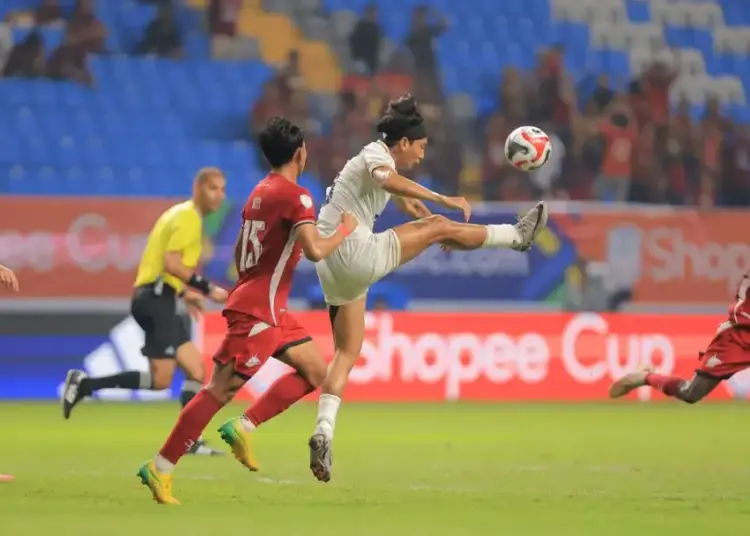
x=166, y=272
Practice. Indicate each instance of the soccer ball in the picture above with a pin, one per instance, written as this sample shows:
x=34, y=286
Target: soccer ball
x=528, y=148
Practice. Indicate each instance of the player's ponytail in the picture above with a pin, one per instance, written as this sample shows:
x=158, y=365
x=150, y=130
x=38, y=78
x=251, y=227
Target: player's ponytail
x=401, y=120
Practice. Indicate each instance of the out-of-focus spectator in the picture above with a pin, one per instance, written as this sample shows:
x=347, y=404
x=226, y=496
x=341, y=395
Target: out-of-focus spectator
x=644, y=164
x=549, y=79
x=26, y=59
x=496, y=166
x=364, y=42
x=513, y=102
x=603, y=93
x=69, y=62
x=270, y=104
x=90, y=33
x=222, y=23
x=48, y=12
x=289, y=76
x=736, y=184
x=619, y=130
x=162, y=36
x=420, y=43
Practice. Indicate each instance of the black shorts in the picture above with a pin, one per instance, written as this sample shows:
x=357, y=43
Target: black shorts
x=154, y=307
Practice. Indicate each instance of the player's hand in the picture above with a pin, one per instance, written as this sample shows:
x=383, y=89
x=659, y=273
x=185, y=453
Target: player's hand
x=218, y=295
x=194, y=303
x=457, y=203
x=8, y=279
x=349, y=222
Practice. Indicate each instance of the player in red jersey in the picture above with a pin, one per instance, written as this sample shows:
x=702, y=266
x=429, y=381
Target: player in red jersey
x=727, y=354
x=278, y=226
x=9, y=281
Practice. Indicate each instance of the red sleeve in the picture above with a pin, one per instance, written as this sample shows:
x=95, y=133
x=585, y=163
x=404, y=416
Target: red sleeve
x=301, y=208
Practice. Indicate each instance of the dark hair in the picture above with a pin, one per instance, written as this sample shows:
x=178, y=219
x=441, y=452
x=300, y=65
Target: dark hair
x=401, y=120
x=279, y=140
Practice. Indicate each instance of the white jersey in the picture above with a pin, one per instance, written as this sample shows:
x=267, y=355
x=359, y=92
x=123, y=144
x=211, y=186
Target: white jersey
x=354, y=190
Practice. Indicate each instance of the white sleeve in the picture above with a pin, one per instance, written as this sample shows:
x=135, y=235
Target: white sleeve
x=375, y=157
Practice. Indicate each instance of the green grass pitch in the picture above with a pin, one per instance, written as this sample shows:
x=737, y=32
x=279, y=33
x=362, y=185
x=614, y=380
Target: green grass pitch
x=455, y=469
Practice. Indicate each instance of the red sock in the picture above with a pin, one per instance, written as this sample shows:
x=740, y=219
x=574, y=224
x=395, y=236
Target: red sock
x=283, y=393
x=193, y=419
x=669, y=385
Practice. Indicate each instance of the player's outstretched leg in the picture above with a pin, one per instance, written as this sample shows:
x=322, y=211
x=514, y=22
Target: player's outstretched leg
x=414, y=237
x=691, y=391
x=7, y=478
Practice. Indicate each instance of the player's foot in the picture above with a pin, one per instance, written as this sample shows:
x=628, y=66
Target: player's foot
x=321, y=456
x=160, y=484
x=240, y=441
x=628, y=383
x=7, y=478
x=200, y=448
x=530, y=225
x=71, y=392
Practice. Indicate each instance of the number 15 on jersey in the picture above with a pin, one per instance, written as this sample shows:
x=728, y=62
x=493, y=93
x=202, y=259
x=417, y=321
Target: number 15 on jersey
x=251, y=246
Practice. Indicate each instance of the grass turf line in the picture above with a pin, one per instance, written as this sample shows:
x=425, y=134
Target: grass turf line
x=520, y=470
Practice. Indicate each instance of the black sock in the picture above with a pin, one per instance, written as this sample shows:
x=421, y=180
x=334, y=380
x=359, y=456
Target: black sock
x=131, y=379
x=190, y=388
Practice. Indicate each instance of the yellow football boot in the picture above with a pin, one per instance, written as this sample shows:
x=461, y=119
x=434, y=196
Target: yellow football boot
x=241, y=442
x=160, y=484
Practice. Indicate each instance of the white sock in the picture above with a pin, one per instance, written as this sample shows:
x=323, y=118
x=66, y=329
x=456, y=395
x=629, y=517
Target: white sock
x=501, y=236
x=247, y=424
x=328, y=407
x=162, y=464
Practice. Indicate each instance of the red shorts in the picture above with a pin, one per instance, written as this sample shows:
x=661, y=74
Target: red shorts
x=727, y=354
x=250, y=342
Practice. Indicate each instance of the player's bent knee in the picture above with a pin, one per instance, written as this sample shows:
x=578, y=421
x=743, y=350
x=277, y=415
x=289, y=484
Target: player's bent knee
x=439, y=226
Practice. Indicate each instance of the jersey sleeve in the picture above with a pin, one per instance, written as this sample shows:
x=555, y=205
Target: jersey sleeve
x=375, y=156
x=301, y=208
x=185, y=237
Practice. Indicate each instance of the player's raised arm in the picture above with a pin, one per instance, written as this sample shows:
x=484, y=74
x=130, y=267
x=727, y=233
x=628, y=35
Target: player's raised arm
x=393, y=183
x=317, y=247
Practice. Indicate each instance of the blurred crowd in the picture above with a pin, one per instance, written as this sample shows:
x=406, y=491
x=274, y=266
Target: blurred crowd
x=84, y=34
x=616, y=140
x=619, y=141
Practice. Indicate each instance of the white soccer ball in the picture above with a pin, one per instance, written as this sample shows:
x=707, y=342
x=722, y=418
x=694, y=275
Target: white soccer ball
x=528, y=148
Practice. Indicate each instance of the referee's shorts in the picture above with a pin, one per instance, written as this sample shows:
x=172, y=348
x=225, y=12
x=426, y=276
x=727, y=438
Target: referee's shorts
x=154, y=307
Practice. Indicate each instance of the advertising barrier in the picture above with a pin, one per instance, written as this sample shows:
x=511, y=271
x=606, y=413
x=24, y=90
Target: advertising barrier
x=659, y=254
x=434, y=357
x=407, y=357
x=37, y=349
x=75, y=247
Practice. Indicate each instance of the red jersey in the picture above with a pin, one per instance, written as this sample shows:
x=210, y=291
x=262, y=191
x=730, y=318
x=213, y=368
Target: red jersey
x=267, y=252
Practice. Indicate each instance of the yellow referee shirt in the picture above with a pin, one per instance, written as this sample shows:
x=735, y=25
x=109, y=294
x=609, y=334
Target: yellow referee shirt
x=178, y=229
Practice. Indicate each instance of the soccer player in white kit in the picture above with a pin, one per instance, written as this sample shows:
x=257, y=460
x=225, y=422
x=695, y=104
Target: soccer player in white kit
x=363, y=187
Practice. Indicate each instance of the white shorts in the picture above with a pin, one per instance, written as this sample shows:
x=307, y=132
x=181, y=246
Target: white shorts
x=349, y=272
